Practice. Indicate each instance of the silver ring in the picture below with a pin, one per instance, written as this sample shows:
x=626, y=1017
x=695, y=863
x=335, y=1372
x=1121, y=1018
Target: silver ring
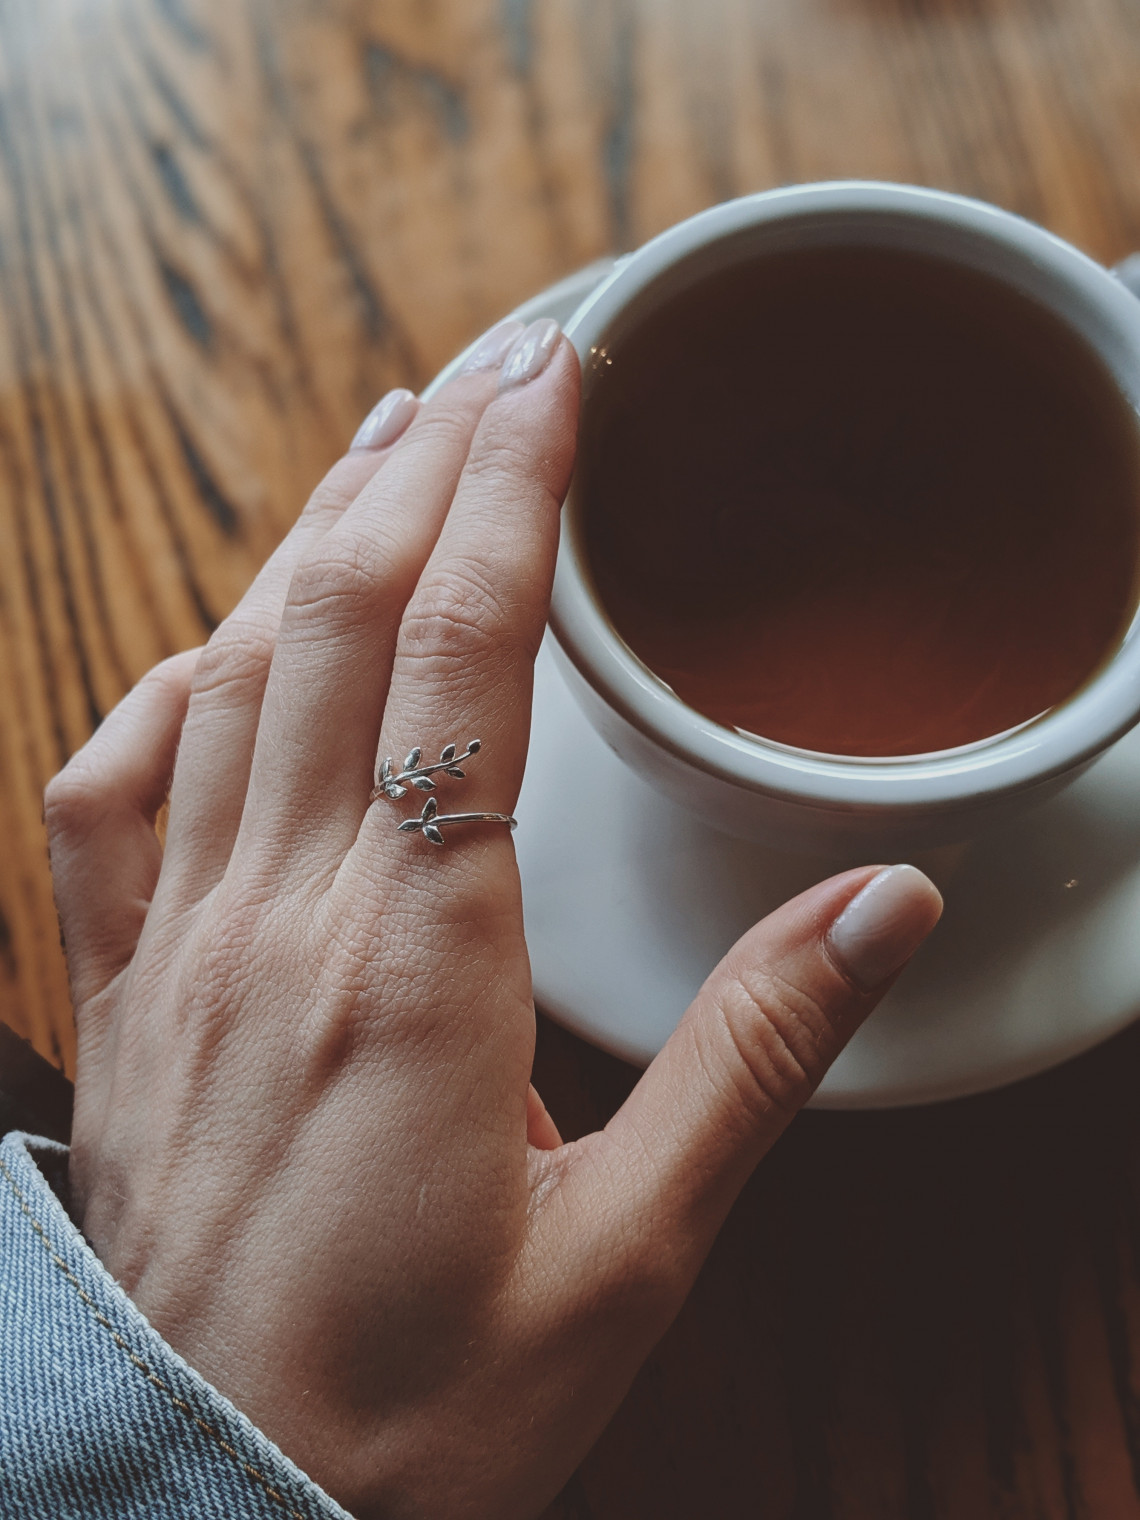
x=396, y=785
x=393, y=784
x=431, y=821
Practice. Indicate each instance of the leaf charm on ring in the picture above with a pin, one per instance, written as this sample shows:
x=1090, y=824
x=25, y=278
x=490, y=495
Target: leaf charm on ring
x=431, y=821
x=395, y=785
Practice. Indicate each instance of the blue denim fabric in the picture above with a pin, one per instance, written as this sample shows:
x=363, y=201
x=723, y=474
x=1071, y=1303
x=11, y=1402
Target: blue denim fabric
x=99, y=1418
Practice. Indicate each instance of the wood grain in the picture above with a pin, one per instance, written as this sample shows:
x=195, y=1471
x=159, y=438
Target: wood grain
x=225, y=227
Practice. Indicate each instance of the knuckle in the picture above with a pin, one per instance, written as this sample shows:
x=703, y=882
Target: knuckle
x=74, y=800
x=446, y=425
x=236, y=657
x=777, y=1035
x=78, y=796
x=477, y=917
x=455, y=615
x=331, y=498
x=501, y=454
x=171, y=677
x=338, y=581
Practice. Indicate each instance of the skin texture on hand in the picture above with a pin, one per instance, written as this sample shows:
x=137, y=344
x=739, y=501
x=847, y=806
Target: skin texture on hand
x=305, y=1140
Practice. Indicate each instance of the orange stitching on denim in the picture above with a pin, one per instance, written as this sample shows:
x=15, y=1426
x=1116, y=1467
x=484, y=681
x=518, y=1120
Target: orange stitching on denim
x=180, y=1404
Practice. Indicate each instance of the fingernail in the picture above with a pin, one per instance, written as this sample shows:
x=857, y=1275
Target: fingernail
x=531, y=353
x=492, y=348
x=884, y=924
x=386, y=421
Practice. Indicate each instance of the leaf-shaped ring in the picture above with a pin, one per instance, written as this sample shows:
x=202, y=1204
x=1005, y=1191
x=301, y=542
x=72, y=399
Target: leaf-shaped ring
x=394, y=784
x=432, y=822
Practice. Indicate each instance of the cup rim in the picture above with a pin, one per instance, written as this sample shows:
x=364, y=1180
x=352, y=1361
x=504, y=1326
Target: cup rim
x=1098, y=307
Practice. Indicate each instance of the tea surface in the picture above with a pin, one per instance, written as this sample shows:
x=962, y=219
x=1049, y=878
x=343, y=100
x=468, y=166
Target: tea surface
x=861, y=502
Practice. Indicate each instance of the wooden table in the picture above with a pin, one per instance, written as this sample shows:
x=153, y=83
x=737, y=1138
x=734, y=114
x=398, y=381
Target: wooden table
x=225, y=227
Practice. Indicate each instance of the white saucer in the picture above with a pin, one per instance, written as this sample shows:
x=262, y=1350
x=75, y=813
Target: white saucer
x=630, y=902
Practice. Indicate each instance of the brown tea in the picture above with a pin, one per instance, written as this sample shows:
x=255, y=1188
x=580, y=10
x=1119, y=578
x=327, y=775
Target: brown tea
x=861, y=502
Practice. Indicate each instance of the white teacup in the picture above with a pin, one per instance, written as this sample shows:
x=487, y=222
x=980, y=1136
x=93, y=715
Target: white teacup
x=771, y=792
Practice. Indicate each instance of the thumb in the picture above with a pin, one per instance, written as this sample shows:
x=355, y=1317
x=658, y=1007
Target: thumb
x=100, y=812
x=752, y=1049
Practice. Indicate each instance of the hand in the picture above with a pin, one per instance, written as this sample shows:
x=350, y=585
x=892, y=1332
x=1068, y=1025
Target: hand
x=304, y=1136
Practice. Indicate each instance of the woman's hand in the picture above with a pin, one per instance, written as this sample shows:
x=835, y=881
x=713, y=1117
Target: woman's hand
x=304, y=1136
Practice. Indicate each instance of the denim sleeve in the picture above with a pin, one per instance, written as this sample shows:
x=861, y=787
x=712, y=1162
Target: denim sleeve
x=99, y=1418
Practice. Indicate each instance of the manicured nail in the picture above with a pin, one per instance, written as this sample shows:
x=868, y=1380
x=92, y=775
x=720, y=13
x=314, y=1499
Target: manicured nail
x=531, y=353
x=884, y=924
x=386, y=421
x=492, y=348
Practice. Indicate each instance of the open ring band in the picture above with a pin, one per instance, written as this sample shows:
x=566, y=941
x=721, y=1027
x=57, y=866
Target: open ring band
x=394, y=784
x=431, y=821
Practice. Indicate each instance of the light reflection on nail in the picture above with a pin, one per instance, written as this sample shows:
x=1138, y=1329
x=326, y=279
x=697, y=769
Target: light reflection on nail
x=492, y=348
x=386, y=421
x=531, y=354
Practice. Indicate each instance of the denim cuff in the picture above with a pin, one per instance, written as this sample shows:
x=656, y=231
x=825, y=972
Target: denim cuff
x=99, y=1418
